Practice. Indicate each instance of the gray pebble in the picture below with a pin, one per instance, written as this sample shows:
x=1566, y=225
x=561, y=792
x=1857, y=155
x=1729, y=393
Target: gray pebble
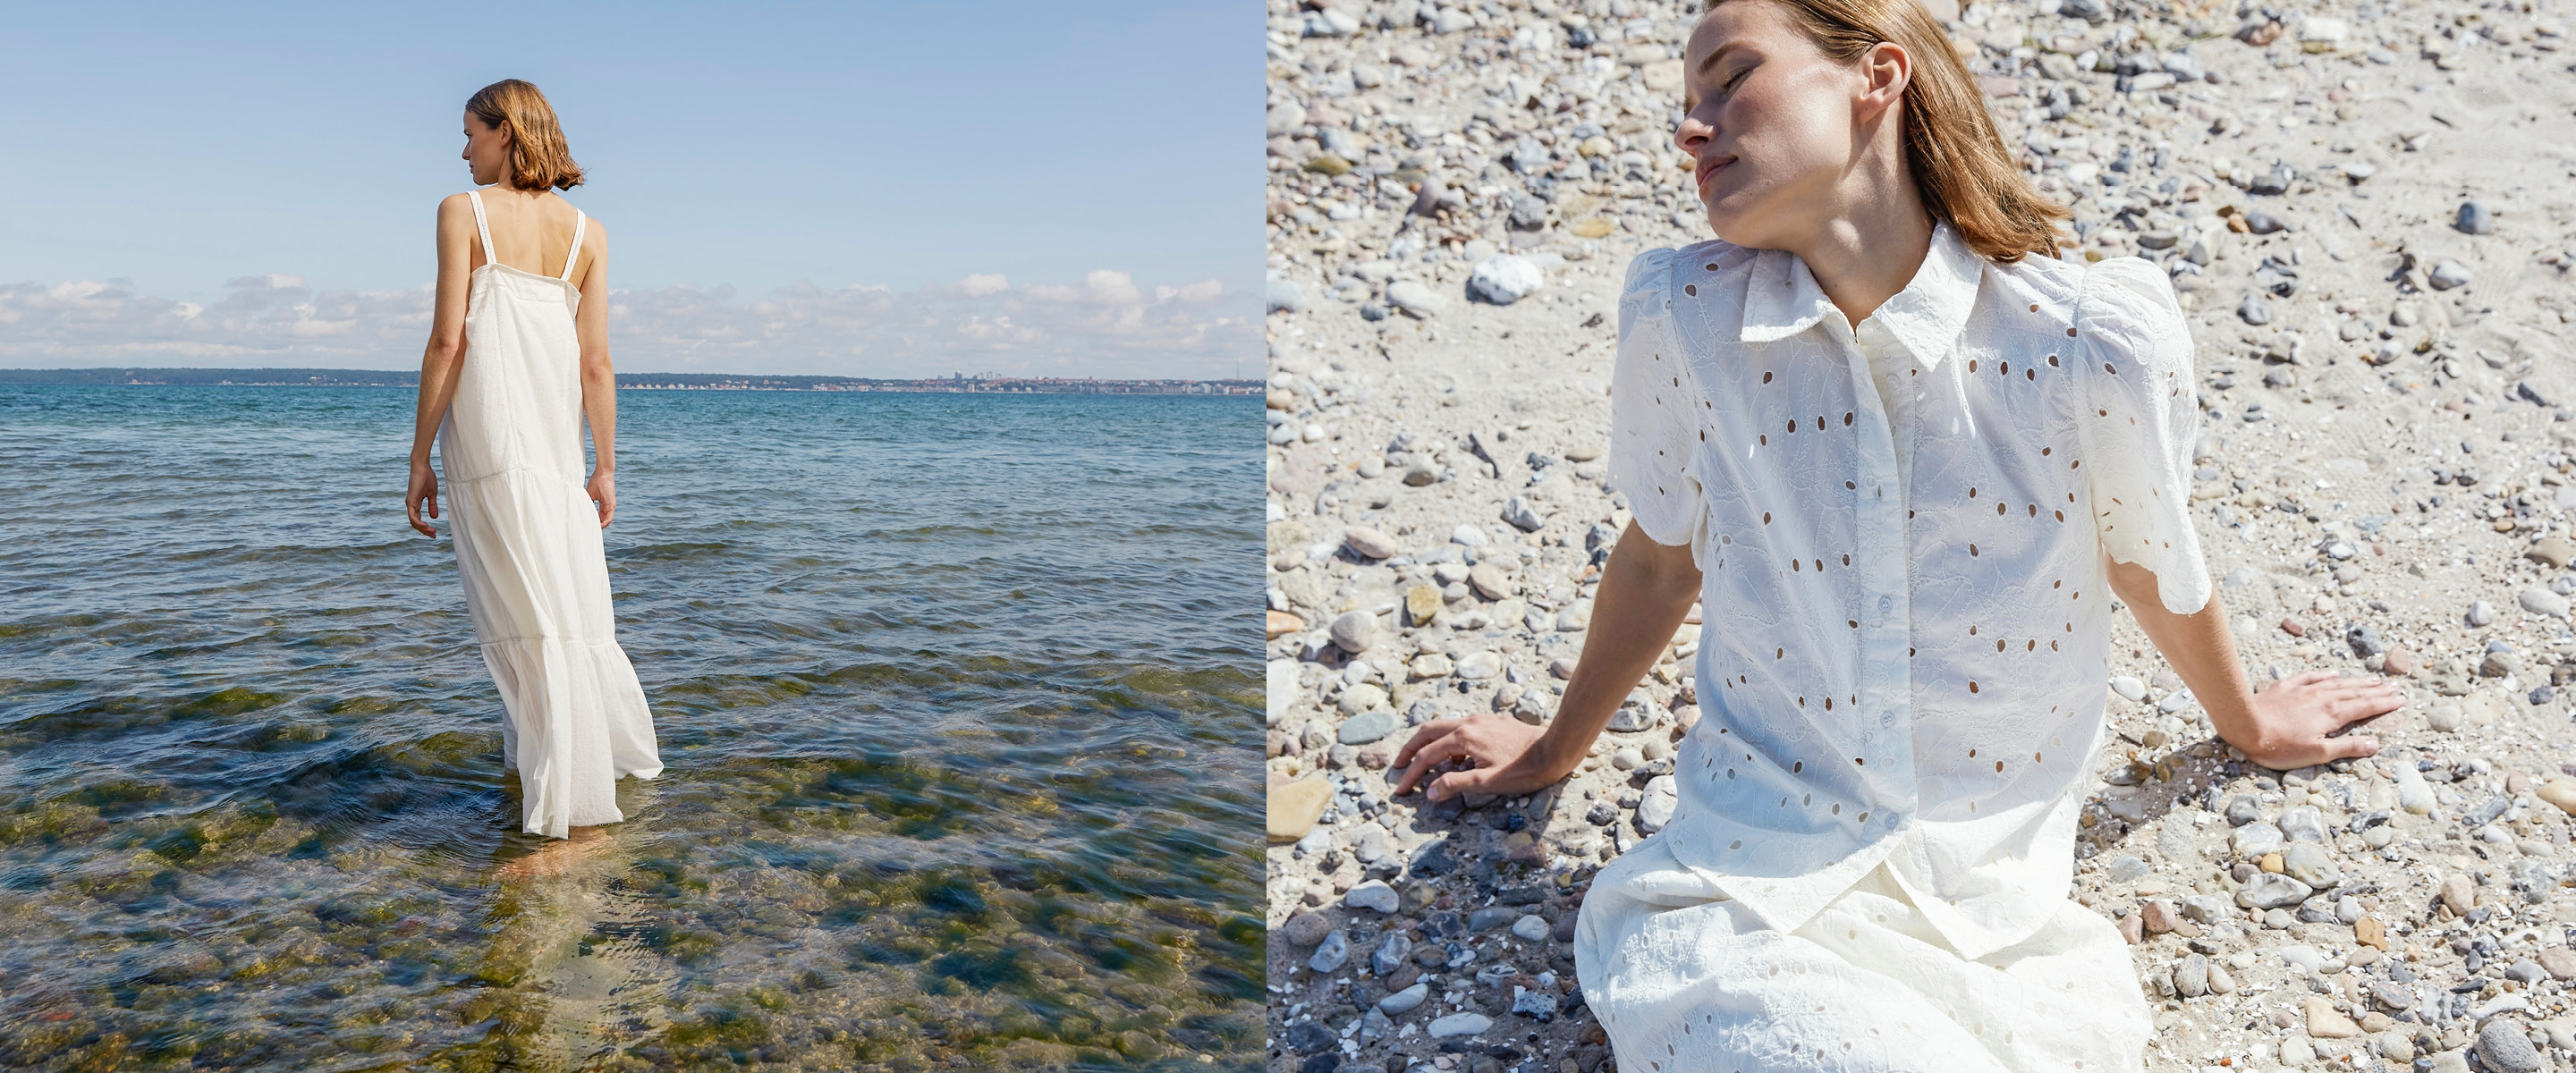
x=2303, y=824
x=1403, y=1002
x=2256, y=839
x=1355, y=631
x=1369, y=726
x=2271, y=890
x=1374, y=894
x=2448, y=274
x=2254, y=310
x=2505, y=1048
x=2126, y=869
x=1390, y=955
x=2475, y=219
x=1331, y=954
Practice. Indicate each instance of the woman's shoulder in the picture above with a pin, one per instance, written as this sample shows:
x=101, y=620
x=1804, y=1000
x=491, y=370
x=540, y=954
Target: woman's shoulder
x=1652, y=268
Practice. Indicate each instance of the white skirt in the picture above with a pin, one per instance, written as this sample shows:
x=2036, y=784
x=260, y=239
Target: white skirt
x=1686, y=981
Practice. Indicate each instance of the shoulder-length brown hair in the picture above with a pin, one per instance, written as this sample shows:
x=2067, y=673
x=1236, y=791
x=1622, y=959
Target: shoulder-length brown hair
x=538, y=157
x=1960, y=164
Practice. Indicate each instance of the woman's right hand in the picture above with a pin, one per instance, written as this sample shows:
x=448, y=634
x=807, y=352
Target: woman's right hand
x=1503, y=751
x=424, y=490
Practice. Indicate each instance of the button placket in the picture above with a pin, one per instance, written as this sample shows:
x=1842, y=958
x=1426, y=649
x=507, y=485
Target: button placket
x=1879, y=529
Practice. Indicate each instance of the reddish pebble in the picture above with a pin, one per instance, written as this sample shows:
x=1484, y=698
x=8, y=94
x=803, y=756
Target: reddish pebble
x=2401, y=661
x=2291, y=626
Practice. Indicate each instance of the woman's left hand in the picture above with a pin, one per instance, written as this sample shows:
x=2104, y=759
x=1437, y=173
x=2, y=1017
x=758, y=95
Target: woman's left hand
x=2296, y=716
x=603, y=494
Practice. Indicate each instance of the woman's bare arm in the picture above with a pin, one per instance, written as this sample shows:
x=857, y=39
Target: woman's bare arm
x=598, y=377
x=445, y=354
x=2288, y=723
x=1646, y=590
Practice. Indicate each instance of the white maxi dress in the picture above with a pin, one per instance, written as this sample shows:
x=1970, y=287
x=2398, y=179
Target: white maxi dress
x=1903, y=657
x=528, y=545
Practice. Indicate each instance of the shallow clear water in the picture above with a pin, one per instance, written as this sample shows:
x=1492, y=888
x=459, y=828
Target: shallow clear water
x=955, y=695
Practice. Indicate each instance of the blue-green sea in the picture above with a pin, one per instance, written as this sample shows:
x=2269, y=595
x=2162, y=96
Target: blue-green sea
x=954, y=694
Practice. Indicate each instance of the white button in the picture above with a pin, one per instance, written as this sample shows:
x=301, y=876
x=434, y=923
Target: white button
x=1885, y=604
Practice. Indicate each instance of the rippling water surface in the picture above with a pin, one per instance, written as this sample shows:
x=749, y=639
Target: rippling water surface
x=954, y=692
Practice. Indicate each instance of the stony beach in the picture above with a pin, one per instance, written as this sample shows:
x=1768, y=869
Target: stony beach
x=2367, y=211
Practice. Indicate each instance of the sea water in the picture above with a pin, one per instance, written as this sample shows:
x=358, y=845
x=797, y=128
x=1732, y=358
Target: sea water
x=955, y=692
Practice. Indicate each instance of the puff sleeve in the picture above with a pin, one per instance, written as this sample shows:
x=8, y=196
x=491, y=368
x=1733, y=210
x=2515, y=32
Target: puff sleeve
x=2137, y=431
x=1651, y=420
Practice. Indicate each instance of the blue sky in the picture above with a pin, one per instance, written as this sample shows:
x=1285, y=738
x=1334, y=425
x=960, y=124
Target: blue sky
x=283, y=163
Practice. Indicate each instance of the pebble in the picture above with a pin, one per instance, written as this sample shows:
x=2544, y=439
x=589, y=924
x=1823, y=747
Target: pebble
x=1532, y=927
x=1296, y=806
x=2326, y=1022
x=2126, y=869
x=2303, y=824
x=2474, y=219
x=2447, y=275
x=2272, y=890
x=1504, y=279
x=2559, y=792
x=2458, y=893
x=2504, y=1048
x=2254, y=310
x=1374, y=894
x=1354, y=631
x=1468, y=535
x=1662, y=796
x=2191, y=978
x=2256, y=839
x=2129, y=687
x=1369, y=543
x=2481, y=613
x=1331, y=954
x=2308, y=863
x=1306, y=929
x=1414, y=298
x=1460, y=1024
x=1285, y=296
x=2540, y=601
x=1369, y=726
x=1399, y=1003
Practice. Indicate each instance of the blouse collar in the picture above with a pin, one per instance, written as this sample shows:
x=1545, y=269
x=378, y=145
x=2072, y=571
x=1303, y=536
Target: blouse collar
x=1783, y=299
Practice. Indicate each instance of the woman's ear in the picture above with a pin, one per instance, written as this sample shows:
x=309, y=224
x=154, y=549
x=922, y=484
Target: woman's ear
x=1885, y=72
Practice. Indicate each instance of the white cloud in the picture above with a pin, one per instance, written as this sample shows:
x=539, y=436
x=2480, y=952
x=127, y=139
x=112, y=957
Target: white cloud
x=1106, y=326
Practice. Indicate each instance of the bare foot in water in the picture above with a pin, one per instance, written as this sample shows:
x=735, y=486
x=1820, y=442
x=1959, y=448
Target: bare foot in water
x=557, y=855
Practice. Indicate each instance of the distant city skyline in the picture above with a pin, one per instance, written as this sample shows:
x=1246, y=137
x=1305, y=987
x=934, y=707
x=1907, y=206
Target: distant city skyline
x=902, y=190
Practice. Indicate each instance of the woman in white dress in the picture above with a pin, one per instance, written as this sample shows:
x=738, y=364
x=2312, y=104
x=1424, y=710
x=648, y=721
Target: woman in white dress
x=1903, y=456
x=517, y=357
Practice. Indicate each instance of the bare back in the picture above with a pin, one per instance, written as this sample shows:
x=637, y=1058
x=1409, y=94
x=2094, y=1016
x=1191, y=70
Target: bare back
x=532, y=232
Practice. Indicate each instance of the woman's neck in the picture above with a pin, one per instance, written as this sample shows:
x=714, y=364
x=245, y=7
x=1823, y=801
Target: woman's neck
x=1868, y=251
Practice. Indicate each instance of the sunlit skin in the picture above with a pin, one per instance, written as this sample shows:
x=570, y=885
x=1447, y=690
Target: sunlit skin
x=1795, y=151
x=531, y=229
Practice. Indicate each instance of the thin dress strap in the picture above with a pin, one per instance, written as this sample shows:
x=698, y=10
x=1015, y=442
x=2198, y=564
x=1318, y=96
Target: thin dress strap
x=580, y=223
x=480, y=226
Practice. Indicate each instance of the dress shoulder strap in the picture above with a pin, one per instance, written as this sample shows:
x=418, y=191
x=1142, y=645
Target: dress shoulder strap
x=580, y=223
x=481, y=226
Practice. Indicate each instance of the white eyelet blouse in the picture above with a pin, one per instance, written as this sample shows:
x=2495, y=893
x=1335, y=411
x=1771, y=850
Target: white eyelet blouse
x=1906, y=617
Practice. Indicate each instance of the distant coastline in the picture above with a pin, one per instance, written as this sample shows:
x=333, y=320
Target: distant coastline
x=960, y=383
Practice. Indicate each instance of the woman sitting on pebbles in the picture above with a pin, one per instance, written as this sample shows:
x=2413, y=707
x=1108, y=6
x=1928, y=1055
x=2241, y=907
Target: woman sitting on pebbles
x=1905, y=458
